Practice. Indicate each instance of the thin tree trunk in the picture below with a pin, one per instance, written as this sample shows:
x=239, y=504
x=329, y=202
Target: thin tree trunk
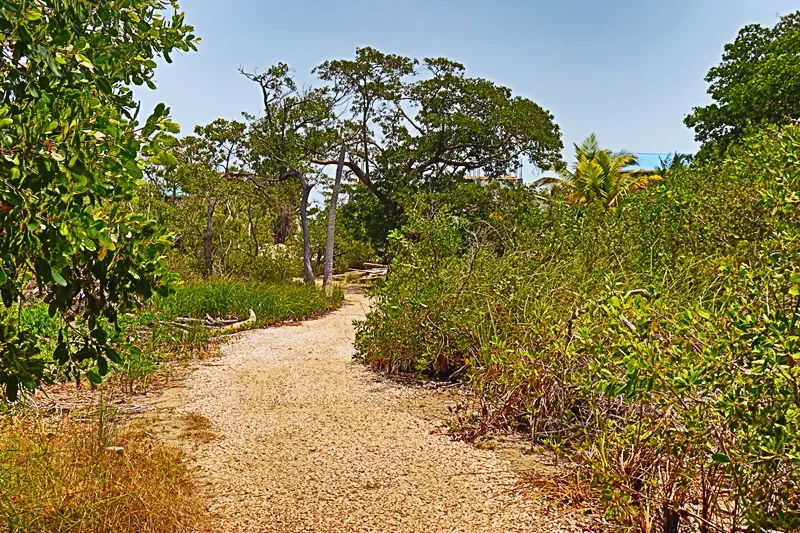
x=208, y=241
x=251, y=227
x=308, y=271
x=328, y=275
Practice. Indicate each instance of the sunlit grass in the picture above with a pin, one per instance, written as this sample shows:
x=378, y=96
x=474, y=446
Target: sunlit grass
x=87, y=477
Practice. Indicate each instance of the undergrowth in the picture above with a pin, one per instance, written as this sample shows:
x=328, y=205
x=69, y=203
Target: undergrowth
x=655, y=343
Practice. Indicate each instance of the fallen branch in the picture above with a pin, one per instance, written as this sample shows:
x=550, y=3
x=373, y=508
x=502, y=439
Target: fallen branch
x=232, y=328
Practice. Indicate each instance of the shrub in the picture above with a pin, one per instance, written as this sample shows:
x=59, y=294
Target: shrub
x=656, y=344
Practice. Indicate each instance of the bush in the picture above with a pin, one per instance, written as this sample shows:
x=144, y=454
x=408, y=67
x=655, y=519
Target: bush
x=655, y=343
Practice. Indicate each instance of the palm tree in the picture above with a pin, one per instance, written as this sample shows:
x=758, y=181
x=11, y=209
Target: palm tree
x=599, y=176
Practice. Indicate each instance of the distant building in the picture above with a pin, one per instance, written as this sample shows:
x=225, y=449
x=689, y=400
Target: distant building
x=478, y=177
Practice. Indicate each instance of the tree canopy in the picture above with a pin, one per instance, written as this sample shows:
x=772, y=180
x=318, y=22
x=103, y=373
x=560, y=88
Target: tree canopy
x=757, y=82
x=421, y=125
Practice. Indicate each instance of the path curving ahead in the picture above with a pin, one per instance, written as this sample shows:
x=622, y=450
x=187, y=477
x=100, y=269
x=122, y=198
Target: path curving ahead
x=308, y=440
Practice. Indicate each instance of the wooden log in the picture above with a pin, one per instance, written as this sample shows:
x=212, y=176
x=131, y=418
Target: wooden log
x=233, y=328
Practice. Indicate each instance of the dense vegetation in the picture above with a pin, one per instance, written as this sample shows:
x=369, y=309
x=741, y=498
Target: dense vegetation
x=643, y=323
x=646, y=325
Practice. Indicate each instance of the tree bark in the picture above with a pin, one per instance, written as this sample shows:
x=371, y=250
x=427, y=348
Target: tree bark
x=328, y=274
x=308, y=270
x=208, y=241
x=283, y=225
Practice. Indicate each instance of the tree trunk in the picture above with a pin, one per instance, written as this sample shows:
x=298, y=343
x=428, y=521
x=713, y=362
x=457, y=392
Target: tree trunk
x=208, y=241
x=251, y=227
x=308, y=271
x=326, y=278
x=283, y=226
x=671, y=519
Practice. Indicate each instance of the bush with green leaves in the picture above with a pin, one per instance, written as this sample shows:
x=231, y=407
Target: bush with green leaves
x=71, y=155
x=656, y=343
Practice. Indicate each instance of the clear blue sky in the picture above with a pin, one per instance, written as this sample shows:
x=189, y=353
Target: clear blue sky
x=628, y=70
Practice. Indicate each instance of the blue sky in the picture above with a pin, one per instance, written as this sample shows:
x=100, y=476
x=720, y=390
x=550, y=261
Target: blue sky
x=628, y=70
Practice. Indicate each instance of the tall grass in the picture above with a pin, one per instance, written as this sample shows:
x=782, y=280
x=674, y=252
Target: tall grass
x=158, y=340
x=89, y=478
x=271, y=303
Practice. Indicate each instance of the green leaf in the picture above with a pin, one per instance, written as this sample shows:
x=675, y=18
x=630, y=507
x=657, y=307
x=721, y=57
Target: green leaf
x=49, y=59
x=720, y=458
x=94, y=378
x=103, y=84
x=58, y=278
x=114, y=356
x=102, y=365
x=106, y=241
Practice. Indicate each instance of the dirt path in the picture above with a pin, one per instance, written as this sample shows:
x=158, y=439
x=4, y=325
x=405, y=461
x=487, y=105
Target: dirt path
x=307, y=440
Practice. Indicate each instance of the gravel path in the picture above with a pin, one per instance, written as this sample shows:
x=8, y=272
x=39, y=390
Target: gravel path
x=307, y=440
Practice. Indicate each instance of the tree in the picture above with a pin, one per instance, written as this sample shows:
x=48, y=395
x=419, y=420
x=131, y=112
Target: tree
x=205, y=160
x=422, y=125
x=72, y=153
x=297, y=124
x=329, y=241
x=599, y=176
x=757, y=82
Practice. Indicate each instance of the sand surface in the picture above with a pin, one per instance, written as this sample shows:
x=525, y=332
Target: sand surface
x=305, y=439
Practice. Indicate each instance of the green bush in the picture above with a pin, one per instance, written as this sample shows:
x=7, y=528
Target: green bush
x=655, y=343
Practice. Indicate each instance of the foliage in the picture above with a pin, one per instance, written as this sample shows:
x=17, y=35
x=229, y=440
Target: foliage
x=657, y=345
x=63, y=478
x=72, y=154
x=271, y=303
x=600, y=176
x=416, y=126
x=757, y=83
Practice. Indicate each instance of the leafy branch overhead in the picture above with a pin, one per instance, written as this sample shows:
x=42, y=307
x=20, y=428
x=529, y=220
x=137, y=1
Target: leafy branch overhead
x=73, y=150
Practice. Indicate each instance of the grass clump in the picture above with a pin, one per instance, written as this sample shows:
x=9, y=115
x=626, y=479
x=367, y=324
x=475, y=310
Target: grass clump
x=90, y=477
x=149, y=337
x=271, y=303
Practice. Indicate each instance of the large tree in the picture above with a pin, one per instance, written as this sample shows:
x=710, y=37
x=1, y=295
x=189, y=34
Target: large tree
x=297, y=125
x=421, y=125
x=757, y=82
x=72, y=153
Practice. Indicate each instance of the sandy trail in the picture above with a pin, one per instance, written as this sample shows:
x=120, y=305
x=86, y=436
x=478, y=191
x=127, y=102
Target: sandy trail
x=308, y=440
